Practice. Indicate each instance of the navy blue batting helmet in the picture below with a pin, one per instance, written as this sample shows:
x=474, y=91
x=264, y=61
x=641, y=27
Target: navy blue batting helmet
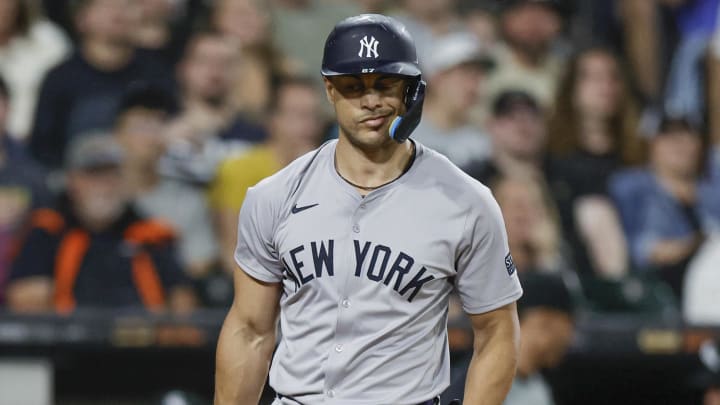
x=374, y=43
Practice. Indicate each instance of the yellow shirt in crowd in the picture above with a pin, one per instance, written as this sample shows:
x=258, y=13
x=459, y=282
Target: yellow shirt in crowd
x=236, y=175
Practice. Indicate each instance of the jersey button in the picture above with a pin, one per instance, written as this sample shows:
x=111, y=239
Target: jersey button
x=346, y=303
x=339, y=348
x=356, y=228
x=362, y=206
x=331, y=393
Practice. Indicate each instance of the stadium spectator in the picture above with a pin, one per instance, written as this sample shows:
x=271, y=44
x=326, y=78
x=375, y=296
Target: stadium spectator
x=208, y=128
x=81, y=94
x=518, y=133
x=93, y=249
x=454, y=75
x=29, y=47
x=532, y=225
x=246, y=25
x=668, y=208
x=300, y=28
x=428, y=21
x=295, y=126
x=22, y=188
x=140, y=128
x=526, y=60
x=593, y=132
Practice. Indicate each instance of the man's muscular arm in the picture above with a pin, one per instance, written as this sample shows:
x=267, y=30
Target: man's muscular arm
x=495, y=353
x=246, y=343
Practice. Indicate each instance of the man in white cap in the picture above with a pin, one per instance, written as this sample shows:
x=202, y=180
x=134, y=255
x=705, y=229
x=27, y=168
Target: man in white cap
x=455, y=73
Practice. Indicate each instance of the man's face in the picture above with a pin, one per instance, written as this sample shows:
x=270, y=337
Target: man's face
x=549, y=332
x=520, y=133
x=108, y=20
x=296, y=119
x=141, y=132
x=598, y=87
x=457, y=88
x=206, y=70
x=531, y=28
x=98, y=195
x=676, y=152
x=366, y=105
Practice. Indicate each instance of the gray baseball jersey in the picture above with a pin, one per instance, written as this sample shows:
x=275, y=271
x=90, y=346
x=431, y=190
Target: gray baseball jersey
x=366, y=280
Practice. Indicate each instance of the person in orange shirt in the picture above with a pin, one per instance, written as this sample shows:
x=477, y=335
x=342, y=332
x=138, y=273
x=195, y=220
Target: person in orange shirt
x=92, y=249
x=295, y=127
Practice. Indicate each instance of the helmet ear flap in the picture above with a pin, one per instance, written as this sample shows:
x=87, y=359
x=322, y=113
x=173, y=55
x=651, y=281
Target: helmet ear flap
x=402, y=126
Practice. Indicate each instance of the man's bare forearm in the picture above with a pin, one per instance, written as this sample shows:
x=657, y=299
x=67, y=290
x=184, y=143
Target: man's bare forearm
x=242, y=362
x=493, y=364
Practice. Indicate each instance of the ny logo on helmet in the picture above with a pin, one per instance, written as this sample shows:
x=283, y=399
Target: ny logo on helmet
x=369, y=47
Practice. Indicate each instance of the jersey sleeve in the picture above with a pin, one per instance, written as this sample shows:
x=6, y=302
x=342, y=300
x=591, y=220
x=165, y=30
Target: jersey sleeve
x=486, y=275
x=255, y=252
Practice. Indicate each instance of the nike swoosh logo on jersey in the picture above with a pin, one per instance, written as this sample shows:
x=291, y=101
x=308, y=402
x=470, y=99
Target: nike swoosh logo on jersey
x=295, y=209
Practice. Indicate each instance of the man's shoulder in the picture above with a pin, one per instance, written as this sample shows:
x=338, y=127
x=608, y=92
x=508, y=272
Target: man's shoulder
x=448, y=176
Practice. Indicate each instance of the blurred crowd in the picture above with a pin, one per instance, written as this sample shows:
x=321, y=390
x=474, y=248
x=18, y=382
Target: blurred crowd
x=131, y=129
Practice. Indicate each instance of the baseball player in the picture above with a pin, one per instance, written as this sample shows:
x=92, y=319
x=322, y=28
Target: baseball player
x=357, y=247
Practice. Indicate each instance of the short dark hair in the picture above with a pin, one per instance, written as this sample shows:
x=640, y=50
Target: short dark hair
x=281, y=82
x=148, y=96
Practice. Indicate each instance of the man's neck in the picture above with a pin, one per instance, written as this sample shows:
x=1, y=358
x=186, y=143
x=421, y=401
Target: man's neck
x=443, y=117
x=105, y=55
x=140, y=178
x=372, y=167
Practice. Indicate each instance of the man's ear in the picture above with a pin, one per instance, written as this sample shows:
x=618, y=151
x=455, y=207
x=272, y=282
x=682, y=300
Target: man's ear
x=330, y=91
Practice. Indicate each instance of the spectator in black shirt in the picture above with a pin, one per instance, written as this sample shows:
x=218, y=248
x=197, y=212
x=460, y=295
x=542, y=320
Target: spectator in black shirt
x=593, y=132
x=82, y=93
x=92, y=249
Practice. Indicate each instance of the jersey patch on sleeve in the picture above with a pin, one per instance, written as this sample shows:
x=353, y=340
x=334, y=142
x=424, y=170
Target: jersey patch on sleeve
x=509, y=264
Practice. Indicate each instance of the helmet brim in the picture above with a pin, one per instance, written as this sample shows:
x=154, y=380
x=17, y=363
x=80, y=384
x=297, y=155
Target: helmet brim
x=394, y=68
